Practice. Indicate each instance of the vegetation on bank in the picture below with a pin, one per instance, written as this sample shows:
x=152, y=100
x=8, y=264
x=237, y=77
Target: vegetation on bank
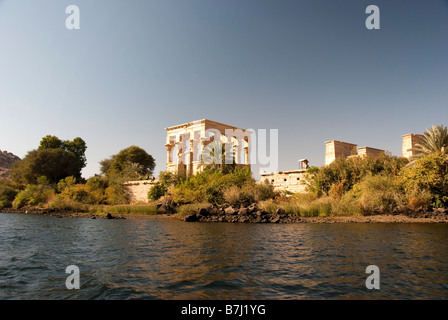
x=352, y=186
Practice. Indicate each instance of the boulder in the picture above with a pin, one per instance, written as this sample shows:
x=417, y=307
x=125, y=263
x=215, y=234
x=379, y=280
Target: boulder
x=280, y=212
x=229, y=210
x=203, y=212
x=191, y=218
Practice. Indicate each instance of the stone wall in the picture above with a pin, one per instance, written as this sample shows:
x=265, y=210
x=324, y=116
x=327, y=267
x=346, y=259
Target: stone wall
x=292, y=180
x=367, y=151
x=139, y=190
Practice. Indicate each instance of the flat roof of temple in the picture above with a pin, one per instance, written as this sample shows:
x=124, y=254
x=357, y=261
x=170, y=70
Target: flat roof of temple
x=202, y=121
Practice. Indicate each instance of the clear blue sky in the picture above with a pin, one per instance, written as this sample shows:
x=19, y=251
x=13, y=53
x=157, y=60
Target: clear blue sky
x=308, y=68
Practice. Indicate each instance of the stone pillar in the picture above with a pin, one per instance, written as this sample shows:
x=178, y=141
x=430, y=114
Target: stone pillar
x=203, y=144
x=247, y=151
x=236, y=153
x=190, y=158
x=169, y=147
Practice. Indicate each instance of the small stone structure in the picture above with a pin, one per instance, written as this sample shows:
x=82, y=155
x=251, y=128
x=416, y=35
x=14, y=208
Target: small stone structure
x=185, y=144
x=291, y=180
x=138, y=190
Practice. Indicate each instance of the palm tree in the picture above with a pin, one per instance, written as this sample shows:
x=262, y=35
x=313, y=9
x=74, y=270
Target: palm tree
x=221, y=161
x=434, y=140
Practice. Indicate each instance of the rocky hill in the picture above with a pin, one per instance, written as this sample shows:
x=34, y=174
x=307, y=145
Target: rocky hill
x=6, y=160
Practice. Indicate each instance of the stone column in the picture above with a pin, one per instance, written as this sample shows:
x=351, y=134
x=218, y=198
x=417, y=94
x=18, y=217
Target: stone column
x=169, y=147
x=190, y=158
x=236, y=152
x=203, y=144
x=247, y=151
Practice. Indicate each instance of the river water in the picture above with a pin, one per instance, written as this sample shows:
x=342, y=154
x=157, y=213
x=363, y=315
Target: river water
x=167, y=259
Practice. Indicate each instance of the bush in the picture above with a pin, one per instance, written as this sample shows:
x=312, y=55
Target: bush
x=210, y=186
x=379, y=194
x=34, y=195
x=429, y=174
x=64, y=204
x=117, y=194
x=93, y=192
x=7, y=193
x=342, y=174
x=166, y=181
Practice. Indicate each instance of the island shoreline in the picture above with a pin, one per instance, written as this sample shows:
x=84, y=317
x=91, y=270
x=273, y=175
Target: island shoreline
x=275, y=218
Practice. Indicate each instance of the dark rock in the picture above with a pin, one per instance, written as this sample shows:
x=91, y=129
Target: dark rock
x=109, y=216
x=203, y=212
x=214, y=211
x=252, y=207
x=191, y=218
x=280, y=212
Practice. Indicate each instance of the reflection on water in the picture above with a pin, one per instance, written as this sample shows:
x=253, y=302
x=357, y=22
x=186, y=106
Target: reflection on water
x=164, y=259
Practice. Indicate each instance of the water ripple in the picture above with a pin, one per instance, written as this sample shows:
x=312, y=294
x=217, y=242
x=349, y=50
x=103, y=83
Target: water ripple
x=158, y=259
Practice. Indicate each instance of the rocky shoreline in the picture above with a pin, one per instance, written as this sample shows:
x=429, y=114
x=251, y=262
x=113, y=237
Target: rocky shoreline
x=252, y=214
x=248, y=214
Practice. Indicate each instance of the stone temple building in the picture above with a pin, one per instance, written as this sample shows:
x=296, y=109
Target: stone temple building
x=409, y=141
x=186, y=143
x=337, y=149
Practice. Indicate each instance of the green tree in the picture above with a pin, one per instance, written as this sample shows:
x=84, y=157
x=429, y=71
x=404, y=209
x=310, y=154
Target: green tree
x=55, y=164
x=131, y=163
x=7, y=193
x=50, y=142
x=77, y=146
x=434, y=140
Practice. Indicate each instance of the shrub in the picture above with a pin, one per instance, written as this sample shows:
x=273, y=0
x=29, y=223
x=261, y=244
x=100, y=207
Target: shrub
x=93, y=192
x=428, y=174
x=166, y=181
x=232, y=195
x=64, y=204
x=381, y=193
x=7, y=193
x=117, y=194
x=64, y=183
x=210, y=186
x=34, y=194
x=342, y=174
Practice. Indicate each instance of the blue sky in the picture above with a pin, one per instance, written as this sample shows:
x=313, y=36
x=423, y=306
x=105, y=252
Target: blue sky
x=308, y=68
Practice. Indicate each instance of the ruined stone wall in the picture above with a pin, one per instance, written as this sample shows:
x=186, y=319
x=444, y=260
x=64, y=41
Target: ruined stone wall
x=292, y=181
x=139, y=190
